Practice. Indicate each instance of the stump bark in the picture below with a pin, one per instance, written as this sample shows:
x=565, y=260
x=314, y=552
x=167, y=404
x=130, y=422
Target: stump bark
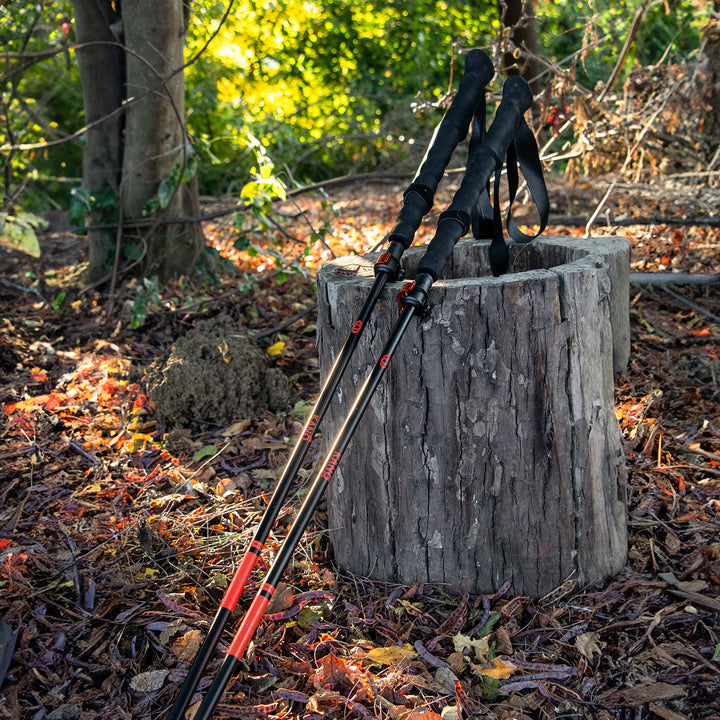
x=490, y=452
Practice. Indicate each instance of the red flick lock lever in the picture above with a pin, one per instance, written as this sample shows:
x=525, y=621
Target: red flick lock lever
x=408, y=287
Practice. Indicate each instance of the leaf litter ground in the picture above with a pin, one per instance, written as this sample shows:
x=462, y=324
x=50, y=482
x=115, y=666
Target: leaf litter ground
x=117, y=535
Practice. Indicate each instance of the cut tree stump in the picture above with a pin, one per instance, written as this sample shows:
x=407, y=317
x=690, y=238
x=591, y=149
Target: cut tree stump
x=490, y=452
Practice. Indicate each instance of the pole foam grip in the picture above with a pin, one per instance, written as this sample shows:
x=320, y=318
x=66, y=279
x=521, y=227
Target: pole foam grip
x=516, y=99
x=454, y=126
x=452, y=129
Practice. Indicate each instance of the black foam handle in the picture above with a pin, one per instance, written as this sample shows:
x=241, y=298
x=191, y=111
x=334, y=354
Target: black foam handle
x=516, y=99
x=452, y=130
x=455, y=125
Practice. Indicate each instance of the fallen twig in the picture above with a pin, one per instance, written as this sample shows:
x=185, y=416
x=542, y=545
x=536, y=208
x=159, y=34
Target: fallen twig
x=667, y=278
x=22, y=288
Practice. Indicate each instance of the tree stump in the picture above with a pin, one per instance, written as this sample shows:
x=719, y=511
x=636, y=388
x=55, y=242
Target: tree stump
x=491, y=451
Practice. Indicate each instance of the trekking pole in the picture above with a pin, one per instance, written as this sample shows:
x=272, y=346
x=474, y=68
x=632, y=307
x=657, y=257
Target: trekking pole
x=452, y=225
x=417, y=201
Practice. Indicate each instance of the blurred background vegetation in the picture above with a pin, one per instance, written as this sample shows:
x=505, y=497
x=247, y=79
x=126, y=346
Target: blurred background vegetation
x=327, y=88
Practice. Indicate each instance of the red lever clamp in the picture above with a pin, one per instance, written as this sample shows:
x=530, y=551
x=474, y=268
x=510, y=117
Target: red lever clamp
x=408, y=287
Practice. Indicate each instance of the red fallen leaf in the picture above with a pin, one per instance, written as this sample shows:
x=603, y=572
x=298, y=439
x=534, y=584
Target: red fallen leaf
x=4, y=542
x=38, y=375
x=332, y=671
x=141, y=401
x=52, y=402
x=106, y=390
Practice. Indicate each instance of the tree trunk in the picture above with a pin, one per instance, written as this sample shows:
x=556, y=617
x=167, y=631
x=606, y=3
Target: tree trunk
x=155, y=132
x=711, y=52
x=101, y=65
x=519, y=44
x=134, y=152
x=491, y=451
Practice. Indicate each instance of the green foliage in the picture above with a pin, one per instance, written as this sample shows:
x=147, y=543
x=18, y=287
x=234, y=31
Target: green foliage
x=325, y=88
x=669, y=30
x=265, y=187
x=83, y=202
x=148, y=294
x=58, y=300
x=40, y=101
x=19, y=229
x=168, y=186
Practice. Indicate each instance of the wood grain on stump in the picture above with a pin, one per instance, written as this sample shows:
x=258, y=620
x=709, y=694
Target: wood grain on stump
x=491, y=451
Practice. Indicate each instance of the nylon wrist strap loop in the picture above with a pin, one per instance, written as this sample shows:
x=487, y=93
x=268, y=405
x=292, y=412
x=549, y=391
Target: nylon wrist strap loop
x=487, y=219
x=482, y=213
x=524, y=152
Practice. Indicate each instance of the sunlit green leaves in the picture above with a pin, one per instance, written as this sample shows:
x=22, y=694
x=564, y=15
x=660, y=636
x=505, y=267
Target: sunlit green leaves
x=316, y=82
x=19, y=229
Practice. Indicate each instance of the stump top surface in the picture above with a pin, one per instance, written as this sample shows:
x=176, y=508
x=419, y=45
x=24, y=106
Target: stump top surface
x=544, y=258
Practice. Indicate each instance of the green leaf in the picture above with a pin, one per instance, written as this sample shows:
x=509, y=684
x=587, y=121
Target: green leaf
x=105, y=198
x=190, y=168
x=59, y=300
x=81, y=196
x=19, y=231
x=487, y=628
x=242, y=243
x=204, y=452
x=151, y=206
x=165, y=193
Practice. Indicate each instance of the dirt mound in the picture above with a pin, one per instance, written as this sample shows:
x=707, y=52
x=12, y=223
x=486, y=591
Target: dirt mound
x=216, y=374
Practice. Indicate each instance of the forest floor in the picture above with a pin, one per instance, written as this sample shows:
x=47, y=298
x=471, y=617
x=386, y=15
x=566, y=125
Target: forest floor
x=117, y=532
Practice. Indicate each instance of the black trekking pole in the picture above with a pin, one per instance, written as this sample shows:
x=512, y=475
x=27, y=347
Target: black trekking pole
x=452, y=225
x=417, y=201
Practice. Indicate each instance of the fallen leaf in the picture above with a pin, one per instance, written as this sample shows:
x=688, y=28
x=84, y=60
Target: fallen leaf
x=236, y=428
x=464, y=644
x=276, y=349
x=187, y=645
x=589, y=645
x=424, y=714
x=502, y=671
x=391, y=654
x=204, y=452
x=641, y=694
x=149, y=681
x=332, y=670
x=687, y=586
x=38, y=375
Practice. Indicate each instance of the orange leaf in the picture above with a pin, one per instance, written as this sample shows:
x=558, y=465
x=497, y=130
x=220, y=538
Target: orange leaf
x=332, y=670
x=141, y=401
x=501, y=671
x=52, y=402
x=424, y=714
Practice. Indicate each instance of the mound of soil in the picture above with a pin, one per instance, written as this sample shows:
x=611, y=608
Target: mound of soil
x=216, y=374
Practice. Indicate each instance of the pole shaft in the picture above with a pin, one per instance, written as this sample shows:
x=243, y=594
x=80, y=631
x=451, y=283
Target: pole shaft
x=247, y=628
